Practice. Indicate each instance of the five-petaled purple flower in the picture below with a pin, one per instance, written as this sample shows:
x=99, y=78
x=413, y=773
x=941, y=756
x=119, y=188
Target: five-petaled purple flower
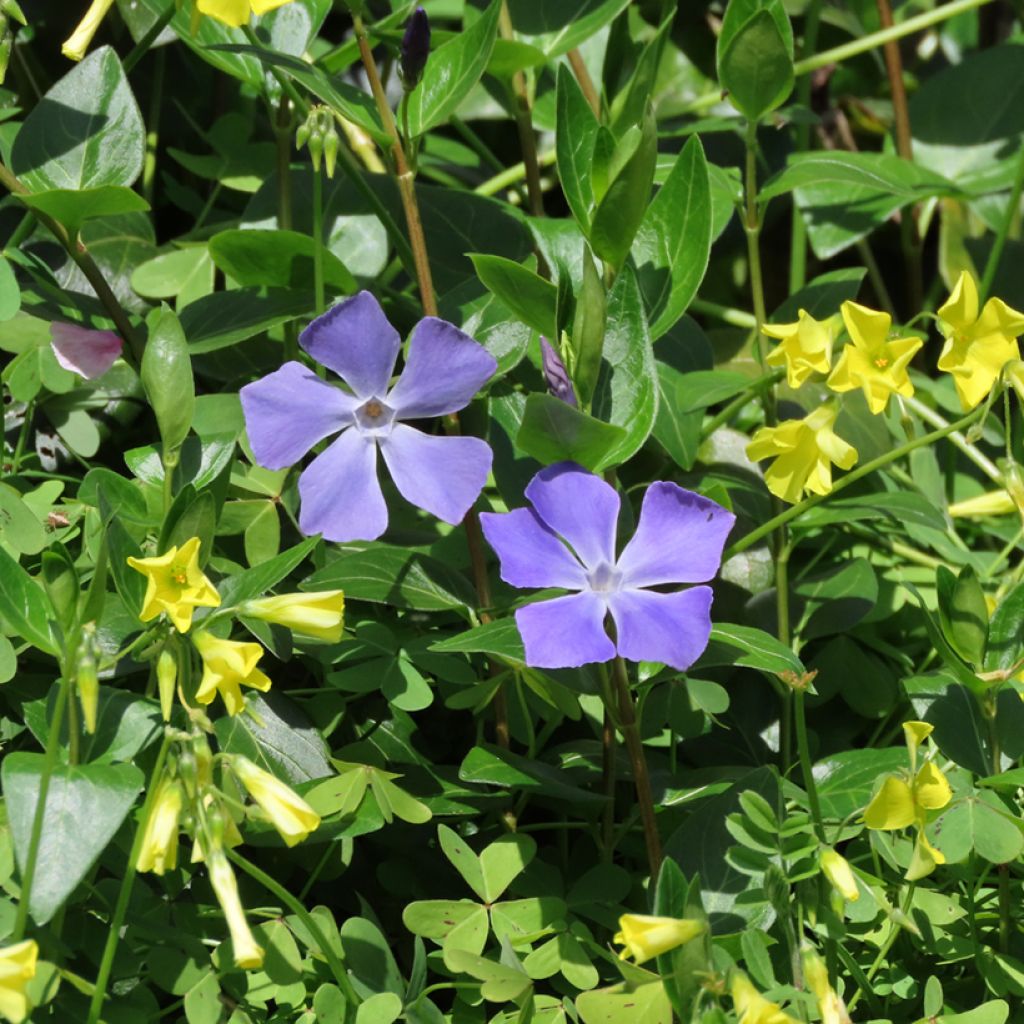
x=567, y=540
x=291, y=409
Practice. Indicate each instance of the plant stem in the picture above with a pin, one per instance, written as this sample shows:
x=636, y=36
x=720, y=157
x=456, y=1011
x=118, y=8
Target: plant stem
x=39, y=817
x=957, y=439
x=806, y=766
x=883, y=951
x=748, y=540
x=333, y=961
x=996, y=253
x=586, y=83
x=638, y=763
x=124, y=893
x=141, y=48
x=725, y=414
x=511, y=176
x=752, y=229
x=735, y=317
x=318, y=241
x=875, y=39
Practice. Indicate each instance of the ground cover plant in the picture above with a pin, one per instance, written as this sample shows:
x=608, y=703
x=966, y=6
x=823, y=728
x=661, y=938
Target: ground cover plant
x=512, y=511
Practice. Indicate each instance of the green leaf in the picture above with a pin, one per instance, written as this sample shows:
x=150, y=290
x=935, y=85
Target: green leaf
x=557, y=26
x=10, y=293
x=756, y=648
x=203, y=1001
x=622, y=1004
x=72, y=207
x=952, y=709
x=183, y=274
x=282, y=259
x=226, y=318
x=963, y=613
x=527, y=295
x=678, y=431
x=847, y=780
x=756, y=66
x=257, y=581
x=86, y=131
x=575, y=134
x=167, y=377
x=463, y=859
x=369, y=957
x=85, y=806
x=981, y=823
x=20, y=528
x=673, y=242
x=500, y=983
x=822, y=296
x=681, y=969
x=451, y=72
x=503, y=861
x=497, y=767
x=24, y=605
x=1006, y=632
x=380, y=1008
x=551, y=431
x=397, y=576
x=500, y=637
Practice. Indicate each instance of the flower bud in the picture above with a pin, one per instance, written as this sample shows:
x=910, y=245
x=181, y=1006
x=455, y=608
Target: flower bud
x=159, y=849
x=555, y=374
x=331, y=143
x=415, y=49
x=78, y=42
x=293, y=818
x=6, y=47
x=166, y=681
x=1013, y=480
x=837, y=870
x=318, y=613
x=991, y=503
x=830, y=1005
x=11, y=9
x=86, y=680
x=248, y=952
x=645, y=936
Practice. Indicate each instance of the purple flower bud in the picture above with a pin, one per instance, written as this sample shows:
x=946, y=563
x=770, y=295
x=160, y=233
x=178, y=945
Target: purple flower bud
x=555, y=374
x=415, y=48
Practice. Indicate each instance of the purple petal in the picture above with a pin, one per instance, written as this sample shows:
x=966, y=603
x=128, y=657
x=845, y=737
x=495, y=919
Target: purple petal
x=531, y=555
x=578, y=506
x=671, y=628
x=566, y=632
x=83, y=351
x=288, y=411
x=443, y=475
x=341, y=497
x=355, y=340
x=679, y=538
x=445, y=369
x=555, y=374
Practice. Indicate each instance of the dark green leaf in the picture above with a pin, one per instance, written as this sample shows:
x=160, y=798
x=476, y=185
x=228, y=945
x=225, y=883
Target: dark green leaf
x=552, y=431
x=527, y=295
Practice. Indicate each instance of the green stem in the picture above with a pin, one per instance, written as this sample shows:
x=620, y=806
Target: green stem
x=727, y=413
x=333, y=961
x=20, y=444
x=996, y=254
x=806, y=767
x=883, y=951
x=883, y=36
x=748, y=540
x=125, y=892
x=752, y=228
x=141, y=48
x=735, y=317
x=318, y=241
x=512, y=176
x=39, y=817
x=957, y=439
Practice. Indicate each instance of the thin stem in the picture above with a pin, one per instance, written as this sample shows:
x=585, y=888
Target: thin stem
x=608, y=767
x=806, y=766
x=752, y=228
x=727, y=314
x=39, y=817
x=883, y=951
x=511, y=176
x=318, y=241
x=141, y=48
x=730, y=410
x=1012, y=209
x=586, y=83
x=957, y=439
x=333, y=961
x=638, y=762
x=750, y=539
x=876, y=39
x=124, y=894
x=875, y=274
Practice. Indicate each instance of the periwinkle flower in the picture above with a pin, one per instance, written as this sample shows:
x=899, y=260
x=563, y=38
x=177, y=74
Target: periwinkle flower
x=567, y=540
x=415, y=48
x=555, y=374
x=291, y=409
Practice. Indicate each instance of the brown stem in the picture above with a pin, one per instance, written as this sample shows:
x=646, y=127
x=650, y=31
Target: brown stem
x=586, y=83
x=76, y=249
x=638, y=762
x=608, y=775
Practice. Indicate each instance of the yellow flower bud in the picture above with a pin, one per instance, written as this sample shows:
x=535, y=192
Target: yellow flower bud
x=992, y=503
x=752, y=1007
x=293, y=818
x=830, y=1005
x=17, y=969
x=166, y=681
x=645, y=936
x=248, y=952
x=88, y=685
x=78, y=42
x=837, y=870
x=159, y=850
x=318, y=614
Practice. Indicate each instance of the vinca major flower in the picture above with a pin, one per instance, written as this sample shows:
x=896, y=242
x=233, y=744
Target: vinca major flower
x=17, y=969
x=175, y=584
x=291, y=409
x=227, y=666
x=805, y=347
x=84, y=351
x=804, y=452
x=646, y=936
x=293, y=818
x=978, y=345
x=567, y=540
x=872, y=361
x=236, y=12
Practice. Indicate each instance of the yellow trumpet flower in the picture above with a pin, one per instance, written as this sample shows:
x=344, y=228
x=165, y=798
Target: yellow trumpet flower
x=977, y=346
x=78, y=42
x=318, y=614
x=227, y=666
x=991, y=503
x=237, y=12
x=17, y=969
x=805, y=347
x=159, y=852
x=293, y=818
x=175, y=584
x=752, y=1007
x=872, y=362
x=248, y=952
x=804, y=451
x=646, y=936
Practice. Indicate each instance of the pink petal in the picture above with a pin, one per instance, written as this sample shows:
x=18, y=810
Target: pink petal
x=83, y=351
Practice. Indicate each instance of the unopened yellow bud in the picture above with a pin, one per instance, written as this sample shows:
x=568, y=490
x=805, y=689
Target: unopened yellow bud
x=293, y=818
x=166, y=681
x=318, y=614
x=645, y=936
x=159, y=850
x=752, y=1007
x=837, y=870
x=248, y=952
x=992, y=503
x=830, y=1005
x=78, y=42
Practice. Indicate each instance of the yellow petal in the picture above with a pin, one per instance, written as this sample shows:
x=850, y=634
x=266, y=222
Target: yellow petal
x=960, y=310
x=231, y=12
x=646, y=936
x=838, y=871
x=892, y=806
x=931, y=788
x=924, y=858
x=868, y=328
x=914, y=734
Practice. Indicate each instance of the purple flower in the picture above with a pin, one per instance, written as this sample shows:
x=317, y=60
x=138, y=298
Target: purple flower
x=415, y=48
x=555, y=374
x=291, y=409
x=567, y=540
x=83, y=351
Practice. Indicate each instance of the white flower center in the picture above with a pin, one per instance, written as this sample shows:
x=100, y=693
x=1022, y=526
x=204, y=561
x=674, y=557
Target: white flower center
x=375, y=418
x=604, y=578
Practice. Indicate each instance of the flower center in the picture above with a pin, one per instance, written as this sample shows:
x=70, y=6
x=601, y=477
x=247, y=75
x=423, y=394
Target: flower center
x=375, y=418
x=604, y=578
x=179, y=575
x=881, y=362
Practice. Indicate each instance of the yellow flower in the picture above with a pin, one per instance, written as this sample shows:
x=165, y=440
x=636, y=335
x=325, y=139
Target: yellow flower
x=830, y=1005
x=236, y=12
x=806, y=347
x=78, y=42
x=752, y=1007
x=805, y=451
x=645, y=936
x=992, y=503
x=159, y=852
x=872, y=362
x=248, y=952
x=166, y=681
x=293, y=818
x=318, y=613
x=837, y=870
x=977, y=347
x=17, y=968
x=924, y=858
x=175, y=584
x=228, y=665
